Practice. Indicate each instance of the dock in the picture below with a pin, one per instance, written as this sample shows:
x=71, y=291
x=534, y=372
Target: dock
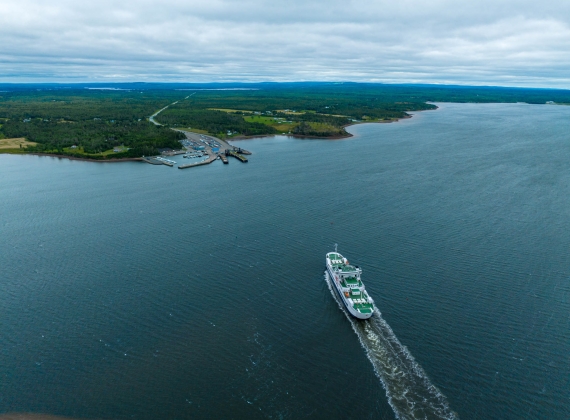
x=242, y=151
x=212, y=146
x=236, y=155
x=151, y=160
x=204, y=162
x=157, y=160
x=174, y=153
x=166, y=162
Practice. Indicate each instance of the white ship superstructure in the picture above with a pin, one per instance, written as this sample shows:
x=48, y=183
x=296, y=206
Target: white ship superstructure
x=346, y=281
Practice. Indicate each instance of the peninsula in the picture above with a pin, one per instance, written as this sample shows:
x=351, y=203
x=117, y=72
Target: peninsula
x=137, y=120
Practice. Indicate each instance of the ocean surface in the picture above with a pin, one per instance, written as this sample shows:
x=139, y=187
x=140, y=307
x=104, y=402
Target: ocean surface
x=132, y=291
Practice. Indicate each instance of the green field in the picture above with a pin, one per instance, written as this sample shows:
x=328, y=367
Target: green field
x=282, y=125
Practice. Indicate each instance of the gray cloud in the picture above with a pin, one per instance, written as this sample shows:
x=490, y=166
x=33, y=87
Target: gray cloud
x=517, y=43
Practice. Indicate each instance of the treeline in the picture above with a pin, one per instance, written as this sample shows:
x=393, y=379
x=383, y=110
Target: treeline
x=319, y=118
x=215, y=122
x=358, y=100
x=374, y=110
x=98, y=120
x=311, y=96
x=93, y=121
x=330, y=100
x=141, y=137
x=83, y=105
x=306, y=129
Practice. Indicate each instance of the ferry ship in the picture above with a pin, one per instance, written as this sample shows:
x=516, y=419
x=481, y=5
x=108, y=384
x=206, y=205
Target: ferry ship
x=346, y=280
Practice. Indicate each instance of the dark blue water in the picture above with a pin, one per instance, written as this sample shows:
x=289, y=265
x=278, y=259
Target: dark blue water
x=134, y=291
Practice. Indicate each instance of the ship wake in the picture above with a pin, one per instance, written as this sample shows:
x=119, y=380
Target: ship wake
x=410, y=392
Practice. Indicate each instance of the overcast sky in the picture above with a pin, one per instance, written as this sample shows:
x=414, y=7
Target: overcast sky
x=490, y=42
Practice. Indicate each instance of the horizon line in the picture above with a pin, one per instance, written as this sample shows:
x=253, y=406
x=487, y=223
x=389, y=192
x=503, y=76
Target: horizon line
x=114, y=83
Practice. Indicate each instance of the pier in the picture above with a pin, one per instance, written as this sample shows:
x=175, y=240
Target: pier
x=236, y=155
x=174, y=153
x=197, y=144
x=204, y=162
x=164, y=161
x=151, y=160
x=242, y=151
x=212, y=146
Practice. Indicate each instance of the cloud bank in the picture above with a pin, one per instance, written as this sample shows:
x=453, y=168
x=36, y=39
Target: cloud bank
x=510, y=43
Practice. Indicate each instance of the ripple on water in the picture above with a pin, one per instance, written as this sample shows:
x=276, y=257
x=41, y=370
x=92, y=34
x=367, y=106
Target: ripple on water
x=407, y=386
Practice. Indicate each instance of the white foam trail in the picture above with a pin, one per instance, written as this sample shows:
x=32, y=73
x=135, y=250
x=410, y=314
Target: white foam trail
x=410, y=392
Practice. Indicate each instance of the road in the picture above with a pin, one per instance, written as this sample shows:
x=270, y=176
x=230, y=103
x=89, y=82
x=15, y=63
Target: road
x=151, y=118
x=196, y=137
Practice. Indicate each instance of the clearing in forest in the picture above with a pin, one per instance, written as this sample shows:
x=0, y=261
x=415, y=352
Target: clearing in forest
x=15, y=143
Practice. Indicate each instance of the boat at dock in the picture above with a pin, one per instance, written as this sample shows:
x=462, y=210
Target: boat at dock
x=164, y=161
x=345, y=278
x=242, y=151
x=236, y=155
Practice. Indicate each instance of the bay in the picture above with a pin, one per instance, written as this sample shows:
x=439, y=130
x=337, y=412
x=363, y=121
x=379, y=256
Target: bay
x=134, y=291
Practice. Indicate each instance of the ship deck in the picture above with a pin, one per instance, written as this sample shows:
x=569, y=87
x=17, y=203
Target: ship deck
x=364, y=308
x=351, y=282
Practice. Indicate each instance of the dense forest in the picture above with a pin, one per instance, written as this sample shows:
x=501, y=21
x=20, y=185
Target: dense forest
x=330, y=100
x=93, y=136
x=319, y=112
x=313, y=130
x=97, y=120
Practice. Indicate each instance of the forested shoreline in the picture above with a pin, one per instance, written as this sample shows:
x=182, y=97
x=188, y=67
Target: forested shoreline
x=105, y=124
